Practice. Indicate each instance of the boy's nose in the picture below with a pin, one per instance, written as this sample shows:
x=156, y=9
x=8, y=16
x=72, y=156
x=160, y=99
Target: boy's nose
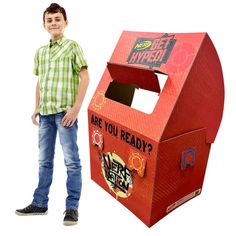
x=53, y=22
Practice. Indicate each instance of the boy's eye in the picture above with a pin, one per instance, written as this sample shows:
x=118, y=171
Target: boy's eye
x=49, y=20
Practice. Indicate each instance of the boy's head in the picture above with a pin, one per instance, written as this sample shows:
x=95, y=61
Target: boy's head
x=55, y=20
x=55, y=8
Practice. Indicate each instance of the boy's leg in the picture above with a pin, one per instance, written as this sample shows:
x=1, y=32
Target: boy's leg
x=68, y=140
x=47, y=139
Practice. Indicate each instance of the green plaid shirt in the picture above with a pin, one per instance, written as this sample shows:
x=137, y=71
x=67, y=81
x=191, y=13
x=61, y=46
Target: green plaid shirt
x=58, y=65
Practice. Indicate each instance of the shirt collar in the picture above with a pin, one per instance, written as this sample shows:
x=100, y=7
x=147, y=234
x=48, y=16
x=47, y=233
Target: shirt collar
x=59, y=42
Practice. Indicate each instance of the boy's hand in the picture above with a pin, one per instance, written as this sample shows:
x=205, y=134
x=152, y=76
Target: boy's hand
x=70, y=117
x=34, y=117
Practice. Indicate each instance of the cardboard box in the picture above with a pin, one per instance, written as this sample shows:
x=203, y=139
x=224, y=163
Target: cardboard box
x=153, y=163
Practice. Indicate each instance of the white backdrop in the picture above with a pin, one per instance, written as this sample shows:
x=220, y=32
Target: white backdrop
x=97, y=26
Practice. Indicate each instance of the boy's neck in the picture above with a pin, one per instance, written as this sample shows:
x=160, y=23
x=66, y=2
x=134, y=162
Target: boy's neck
x=57, y=37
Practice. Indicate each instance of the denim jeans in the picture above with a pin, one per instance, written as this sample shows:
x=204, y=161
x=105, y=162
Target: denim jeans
x=49, y=125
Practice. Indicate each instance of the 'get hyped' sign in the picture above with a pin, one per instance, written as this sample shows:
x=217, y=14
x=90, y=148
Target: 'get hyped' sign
x=152, y=51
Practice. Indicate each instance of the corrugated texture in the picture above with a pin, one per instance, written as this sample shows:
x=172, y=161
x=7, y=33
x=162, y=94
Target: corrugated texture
x=172, y=183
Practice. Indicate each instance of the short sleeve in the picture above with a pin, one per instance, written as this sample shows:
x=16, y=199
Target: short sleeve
x=36, y=63
x=79, y=60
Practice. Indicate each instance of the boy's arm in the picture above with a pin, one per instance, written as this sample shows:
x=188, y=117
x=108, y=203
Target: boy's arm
x=71, y=115
x=36, y=111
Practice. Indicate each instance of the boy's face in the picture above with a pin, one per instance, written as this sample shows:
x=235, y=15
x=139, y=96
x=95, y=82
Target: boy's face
x=55, y=24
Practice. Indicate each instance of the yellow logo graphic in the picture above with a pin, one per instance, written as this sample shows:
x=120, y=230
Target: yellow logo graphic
x=99, y=100
x=143, y=45
x=137, y=162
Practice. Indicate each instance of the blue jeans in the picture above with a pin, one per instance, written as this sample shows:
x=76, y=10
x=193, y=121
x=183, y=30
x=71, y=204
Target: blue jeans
x=49, y=125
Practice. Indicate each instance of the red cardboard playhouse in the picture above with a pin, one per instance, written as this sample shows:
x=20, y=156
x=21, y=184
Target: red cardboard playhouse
x=153, y=163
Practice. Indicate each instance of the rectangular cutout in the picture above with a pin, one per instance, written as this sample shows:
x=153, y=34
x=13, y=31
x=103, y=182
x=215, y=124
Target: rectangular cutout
x=119, y=92
x=144, y=100
x=125, y=87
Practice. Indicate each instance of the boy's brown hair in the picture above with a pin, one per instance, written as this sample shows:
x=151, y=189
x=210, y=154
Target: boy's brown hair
x=55, y=8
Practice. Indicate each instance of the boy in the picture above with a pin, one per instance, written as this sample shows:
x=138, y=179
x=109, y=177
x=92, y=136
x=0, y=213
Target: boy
x=62, y=83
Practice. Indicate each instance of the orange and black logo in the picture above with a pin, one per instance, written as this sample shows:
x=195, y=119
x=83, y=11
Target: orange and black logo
x=152, y=52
